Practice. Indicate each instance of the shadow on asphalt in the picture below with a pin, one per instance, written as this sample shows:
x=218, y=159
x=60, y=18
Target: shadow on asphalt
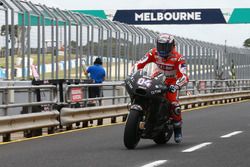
x=170, y=146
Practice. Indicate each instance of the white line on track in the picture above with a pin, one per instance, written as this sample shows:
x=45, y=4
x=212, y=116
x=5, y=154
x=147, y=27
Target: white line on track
x=155, y=163
x=197, y=147
x=231, y=134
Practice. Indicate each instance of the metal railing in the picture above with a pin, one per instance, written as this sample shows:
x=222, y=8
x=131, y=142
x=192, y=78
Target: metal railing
x=28, y=99
x=112, y=93
x=196, y=93
x=216, y=86
x=21, y=109
x=60, y=43
x=69, y=116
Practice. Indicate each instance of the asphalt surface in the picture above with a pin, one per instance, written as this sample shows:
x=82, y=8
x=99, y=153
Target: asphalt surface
x=103, y=147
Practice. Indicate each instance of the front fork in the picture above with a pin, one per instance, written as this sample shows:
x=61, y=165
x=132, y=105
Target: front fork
x=138, y=108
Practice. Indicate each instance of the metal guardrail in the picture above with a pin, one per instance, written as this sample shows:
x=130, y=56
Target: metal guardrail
x=16, y=123
x=207, y=99
x=32, y=118
x=215, y=86
x=201, y=93
x=117, y=92
x=69, y=116
x=72, y=115
x=9, y=93
x=193, y=88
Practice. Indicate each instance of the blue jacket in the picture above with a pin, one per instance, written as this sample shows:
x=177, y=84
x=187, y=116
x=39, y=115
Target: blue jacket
x=97, y=73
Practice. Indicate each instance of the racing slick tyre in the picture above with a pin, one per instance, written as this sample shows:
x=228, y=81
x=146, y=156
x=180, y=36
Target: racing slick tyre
x=132, y=133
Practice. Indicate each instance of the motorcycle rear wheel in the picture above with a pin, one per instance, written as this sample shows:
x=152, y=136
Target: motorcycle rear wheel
x=132, y=132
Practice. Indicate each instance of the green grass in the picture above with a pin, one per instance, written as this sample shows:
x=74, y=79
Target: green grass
x=47, y=59
x=61, y=74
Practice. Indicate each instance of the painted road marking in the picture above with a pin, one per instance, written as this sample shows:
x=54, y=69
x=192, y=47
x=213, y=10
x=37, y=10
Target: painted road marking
x=231, y=134
x=155, y=163
x=197, y=147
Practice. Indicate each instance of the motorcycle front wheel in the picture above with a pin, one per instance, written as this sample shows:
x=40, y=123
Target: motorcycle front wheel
x=132, y=132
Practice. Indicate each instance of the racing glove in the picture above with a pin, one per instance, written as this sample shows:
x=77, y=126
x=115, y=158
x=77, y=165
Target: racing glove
x=173, y=88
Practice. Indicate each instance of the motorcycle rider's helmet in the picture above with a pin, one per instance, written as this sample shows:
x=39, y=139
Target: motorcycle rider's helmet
x=165, y=44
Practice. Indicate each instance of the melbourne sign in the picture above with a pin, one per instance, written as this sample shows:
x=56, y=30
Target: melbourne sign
x=171, y=16
x=150, y=16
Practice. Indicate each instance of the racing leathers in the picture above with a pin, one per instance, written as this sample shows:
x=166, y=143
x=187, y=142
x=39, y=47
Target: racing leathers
x=174, y=68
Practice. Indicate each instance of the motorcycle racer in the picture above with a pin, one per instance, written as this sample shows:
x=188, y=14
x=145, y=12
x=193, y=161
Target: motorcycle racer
x=173, y=65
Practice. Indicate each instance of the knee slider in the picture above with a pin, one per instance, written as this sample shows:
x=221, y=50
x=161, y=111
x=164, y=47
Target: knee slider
x=176, y=108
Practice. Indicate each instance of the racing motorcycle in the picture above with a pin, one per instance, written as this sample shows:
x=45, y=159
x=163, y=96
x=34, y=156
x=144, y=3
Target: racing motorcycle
x=148, y=117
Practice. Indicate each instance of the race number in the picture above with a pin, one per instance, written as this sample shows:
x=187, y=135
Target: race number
x=143, y=81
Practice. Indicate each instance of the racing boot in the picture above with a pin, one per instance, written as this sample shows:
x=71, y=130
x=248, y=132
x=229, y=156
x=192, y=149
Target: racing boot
x=176, y=110
x=177, y=132
x=177, y=135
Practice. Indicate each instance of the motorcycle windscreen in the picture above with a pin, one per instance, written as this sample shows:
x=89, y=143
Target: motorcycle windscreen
x=152, y=70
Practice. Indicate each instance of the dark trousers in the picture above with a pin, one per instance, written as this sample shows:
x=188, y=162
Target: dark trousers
x=94, y=92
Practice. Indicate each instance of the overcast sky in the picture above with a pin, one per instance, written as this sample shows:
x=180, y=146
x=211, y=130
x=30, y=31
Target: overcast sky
x=234, y=34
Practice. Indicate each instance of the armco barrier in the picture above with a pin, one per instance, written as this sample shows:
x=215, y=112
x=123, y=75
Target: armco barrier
x=69, y=116
x=9, y=124
x=28, y=121
x=23, y=109
x=207, y=99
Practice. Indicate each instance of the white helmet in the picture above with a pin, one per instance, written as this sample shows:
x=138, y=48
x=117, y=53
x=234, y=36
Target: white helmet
x=164, y=44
